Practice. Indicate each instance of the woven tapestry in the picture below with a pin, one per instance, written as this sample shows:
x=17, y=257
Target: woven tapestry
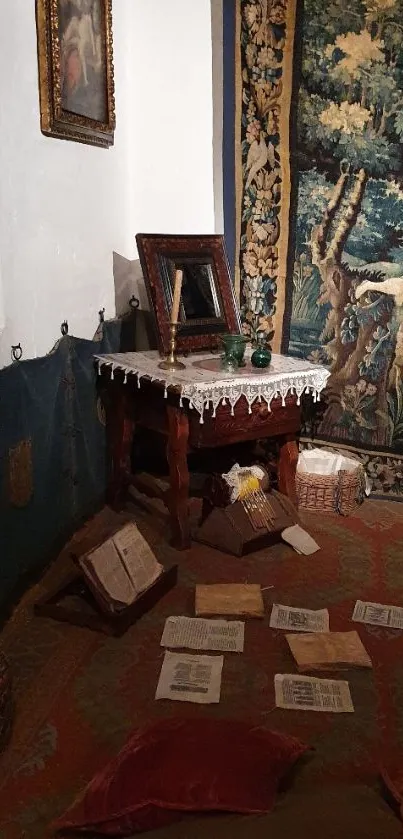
x=319, y=206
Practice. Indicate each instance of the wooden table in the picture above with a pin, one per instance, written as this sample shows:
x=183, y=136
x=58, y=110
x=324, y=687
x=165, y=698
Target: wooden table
x=127, y=405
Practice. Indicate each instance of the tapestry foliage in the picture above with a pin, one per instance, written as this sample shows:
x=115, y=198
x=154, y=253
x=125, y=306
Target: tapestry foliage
x=337, y=298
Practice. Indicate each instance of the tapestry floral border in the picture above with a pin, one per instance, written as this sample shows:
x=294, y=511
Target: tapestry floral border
x=266, y=34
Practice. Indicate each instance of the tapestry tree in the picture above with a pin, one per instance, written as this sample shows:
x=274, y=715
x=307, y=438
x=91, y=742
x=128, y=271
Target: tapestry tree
x=351, y=123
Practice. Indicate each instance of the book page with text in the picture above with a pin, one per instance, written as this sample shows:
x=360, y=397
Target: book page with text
x=203, y=634
x=306, y=693
x=106, y=569
x=190, y=678
x=137, y=557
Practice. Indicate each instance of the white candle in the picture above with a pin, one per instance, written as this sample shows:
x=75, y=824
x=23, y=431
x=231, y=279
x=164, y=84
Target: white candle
x=177, y=296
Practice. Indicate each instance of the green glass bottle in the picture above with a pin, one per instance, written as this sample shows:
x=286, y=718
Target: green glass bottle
x=261, y=357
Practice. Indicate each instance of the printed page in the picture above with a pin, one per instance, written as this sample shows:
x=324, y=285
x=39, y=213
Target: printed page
x=299, y=620
x=305, y=693
x=190, y=678
x=137, y=557
x=378, y=615
x=324, y=651
x=230, y=599
x=203, y=634
x=104, y=568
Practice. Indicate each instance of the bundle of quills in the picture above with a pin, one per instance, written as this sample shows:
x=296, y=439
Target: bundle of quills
x=254, y=501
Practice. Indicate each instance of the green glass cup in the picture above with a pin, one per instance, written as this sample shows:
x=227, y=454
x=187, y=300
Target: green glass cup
x=234, y=346
x=229, y=363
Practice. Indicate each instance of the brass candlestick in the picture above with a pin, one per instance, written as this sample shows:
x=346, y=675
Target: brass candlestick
x=171, y=362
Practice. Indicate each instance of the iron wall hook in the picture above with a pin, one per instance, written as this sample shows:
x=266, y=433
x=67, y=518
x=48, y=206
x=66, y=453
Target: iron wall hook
x=16, y=352
x=134, y=302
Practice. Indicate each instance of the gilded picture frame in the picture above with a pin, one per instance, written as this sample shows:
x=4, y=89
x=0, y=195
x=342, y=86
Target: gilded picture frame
x=75, y=63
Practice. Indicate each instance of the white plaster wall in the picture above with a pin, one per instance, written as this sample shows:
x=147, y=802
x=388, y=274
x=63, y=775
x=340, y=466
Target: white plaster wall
x=66, y=207
x=63, y=205
x=173, y=117
x=218, y=110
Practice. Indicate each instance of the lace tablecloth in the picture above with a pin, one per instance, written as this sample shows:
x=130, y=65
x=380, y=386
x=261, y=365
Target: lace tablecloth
x=205, y=388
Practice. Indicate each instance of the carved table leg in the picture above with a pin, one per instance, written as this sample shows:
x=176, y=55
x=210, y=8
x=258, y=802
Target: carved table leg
x=287, y=466
x=119, y=431
x=177, y=447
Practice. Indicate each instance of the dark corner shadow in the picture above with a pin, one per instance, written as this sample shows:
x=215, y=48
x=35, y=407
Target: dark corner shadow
x=129, y=283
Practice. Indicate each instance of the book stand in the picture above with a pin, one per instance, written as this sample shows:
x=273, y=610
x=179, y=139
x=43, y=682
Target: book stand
x=73, y=602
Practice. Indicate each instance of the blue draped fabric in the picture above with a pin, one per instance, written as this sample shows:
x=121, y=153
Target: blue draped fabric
x=52, y=454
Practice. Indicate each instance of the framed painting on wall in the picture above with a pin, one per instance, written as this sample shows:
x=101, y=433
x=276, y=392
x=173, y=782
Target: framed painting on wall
x=75, y=59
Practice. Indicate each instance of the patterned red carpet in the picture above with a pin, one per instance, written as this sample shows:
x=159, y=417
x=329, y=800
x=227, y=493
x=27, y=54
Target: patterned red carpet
x=79, y=694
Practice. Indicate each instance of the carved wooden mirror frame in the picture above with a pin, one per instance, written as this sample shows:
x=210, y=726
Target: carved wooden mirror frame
x=160, y=255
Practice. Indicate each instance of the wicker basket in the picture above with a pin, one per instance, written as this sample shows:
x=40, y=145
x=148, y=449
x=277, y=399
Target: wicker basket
x=341, y=493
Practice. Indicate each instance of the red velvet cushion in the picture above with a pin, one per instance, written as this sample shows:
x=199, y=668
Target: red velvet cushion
x=184, y=765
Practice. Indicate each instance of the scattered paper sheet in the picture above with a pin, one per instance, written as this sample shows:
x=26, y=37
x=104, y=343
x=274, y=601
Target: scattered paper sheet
x=190, y=678
x=378, y=615
x=230, y=599
x=328, y=650
x=306, y=693
x=300, y=540
x=204, y=634
x=299, y=620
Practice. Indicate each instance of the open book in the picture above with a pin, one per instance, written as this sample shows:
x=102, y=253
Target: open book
x=120, y=569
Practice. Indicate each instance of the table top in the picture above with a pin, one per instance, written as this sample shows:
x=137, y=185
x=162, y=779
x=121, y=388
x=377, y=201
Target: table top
x=205, y=384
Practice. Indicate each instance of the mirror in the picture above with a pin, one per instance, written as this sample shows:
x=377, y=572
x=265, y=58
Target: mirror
x=207, y=307
x=200, y=296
